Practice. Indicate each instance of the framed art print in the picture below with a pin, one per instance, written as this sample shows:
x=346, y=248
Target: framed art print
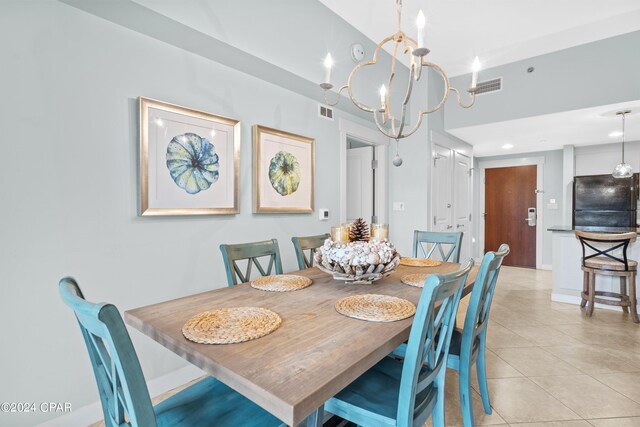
x=283, y=171
x=189, y=161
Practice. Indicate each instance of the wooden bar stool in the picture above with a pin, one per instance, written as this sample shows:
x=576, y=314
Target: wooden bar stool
x=604, y=259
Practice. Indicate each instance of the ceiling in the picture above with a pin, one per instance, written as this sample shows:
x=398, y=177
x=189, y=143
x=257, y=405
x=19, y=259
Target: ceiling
x=551, y=131
x=498, y=31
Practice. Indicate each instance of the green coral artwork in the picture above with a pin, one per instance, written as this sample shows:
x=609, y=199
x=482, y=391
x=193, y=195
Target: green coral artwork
x=284, y=173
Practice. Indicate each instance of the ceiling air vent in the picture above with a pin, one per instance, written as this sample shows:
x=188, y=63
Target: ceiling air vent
x=325, y=112
x=488, y=86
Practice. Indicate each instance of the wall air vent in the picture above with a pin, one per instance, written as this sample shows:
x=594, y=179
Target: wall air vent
x=325, y=112
x=488, y=86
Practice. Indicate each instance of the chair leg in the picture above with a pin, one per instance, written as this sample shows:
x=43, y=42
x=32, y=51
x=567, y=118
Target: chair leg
x=585, y=289
x=633, y=303
x=438, y=409
x=623, y=292
x=482, y=376
x=592, y=293
x=466, y=405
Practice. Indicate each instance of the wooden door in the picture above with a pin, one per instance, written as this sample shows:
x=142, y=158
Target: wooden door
x=462, y=201
x=360, y=185
x=441, y=187
x=509, y=193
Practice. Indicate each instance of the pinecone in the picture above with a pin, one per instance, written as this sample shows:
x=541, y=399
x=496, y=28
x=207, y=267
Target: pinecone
x=359, y=231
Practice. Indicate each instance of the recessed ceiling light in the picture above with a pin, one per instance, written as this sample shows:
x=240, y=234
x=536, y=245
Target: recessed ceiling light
x=507, y=146
x=615, y=134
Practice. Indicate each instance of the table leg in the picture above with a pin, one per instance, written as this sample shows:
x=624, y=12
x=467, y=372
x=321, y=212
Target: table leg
x=315, y=419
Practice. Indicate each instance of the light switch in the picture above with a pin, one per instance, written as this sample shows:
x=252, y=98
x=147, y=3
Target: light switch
x=398, y=206
x=323, y=214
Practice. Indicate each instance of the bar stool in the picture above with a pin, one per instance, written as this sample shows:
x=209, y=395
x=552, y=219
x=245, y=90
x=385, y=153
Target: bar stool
x=602, y=260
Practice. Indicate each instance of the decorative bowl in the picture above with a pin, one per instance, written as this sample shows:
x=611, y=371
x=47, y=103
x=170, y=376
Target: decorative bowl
x=360, y=262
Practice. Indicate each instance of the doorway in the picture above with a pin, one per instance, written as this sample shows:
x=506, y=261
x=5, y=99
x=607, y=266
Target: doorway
x=361, y=181
x=363, y=173
x=510, y=194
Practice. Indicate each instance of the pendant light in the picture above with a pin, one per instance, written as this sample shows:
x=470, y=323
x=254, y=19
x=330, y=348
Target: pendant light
x=623, y=170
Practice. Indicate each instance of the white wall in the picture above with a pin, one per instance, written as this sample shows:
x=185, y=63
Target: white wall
x=602, y=158
x=69, y=180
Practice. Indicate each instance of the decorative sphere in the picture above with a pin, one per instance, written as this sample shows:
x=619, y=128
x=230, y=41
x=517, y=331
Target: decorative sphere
x=397, y=160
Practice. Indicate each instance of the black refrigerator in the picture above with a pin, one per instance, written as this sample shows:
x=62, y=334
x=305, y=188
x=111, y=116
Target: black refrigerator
x=605, y=201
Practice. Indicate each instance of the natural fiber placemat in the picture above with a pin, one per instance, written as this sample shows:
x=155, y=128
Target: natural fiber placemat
x=281, y=283
x=231, y=325
x=416, y=279
x=375, y=308
x=420, y=262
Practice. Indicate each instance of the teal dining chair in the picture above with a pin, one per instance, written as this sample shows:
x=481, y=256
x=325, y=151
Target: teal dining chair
x=122, y=387
x=308, y=243
x=404, y=393
x=251, y=252
x=469, y=345
x=426, y=242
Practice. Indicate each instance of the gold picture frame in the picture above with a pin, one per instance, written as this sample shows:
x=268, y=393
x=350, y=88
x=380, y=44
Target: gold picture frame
x=283, y=171
x=189, y=161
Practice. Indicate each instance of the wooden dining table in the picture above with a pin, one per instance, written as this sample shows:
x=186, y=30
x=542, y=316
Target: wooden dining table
x=314, y=354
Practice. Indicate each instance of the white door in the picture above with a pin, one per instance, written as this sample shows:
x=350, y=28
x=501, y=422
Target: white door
x=462, y=201
x=360, y=185
x=441, y=187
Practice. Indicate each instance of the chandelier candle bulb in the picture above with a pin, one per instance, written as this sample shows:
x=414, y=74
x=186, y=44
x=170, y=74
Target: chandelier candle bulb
x=475, y=68
x=328, y=64
x=383, y=96
x=420, y=21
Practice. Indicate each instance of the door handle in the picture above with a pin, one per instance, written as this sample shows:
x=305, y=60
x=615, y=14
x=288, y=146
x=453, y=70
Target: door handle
x=459, y=225
x=449, y=227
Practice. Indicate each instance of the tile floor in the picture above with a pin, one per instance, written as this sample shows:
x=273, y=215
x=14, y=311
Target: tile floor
x=550, y=366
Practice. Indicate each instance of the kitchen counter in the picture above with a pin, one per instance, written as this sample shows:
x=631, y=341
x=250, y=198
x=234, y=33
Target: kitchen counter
x=568, y=228
x=567, y=274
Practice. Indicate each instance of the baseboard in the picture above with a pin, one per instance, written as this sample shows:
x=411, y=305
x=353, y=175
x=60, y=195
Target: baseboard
x=91, y=413
x=572, y=299
x=545, y=267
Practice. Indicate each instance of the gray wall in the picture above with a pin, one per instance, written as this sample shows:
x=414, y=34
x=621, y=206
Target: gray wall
x=70, y=82
x=593, y=74
x=552, y=190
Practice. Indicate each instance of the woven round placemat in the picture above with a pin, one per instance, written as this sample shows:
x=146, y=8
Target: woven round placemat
x=375, y=308
x=420, y=262
x=231, y=325
x=416, y=279
x=281, y=283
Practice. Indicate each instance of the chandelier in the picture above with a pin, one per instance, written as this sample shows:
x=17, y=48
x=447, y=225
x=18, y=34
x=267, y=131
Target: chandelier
x=386, y=122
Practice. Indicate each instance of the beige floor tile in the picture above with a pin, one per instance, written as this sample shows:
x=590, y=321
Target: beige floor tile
x=572, y=423
x=627, y=383
x=544, y=335
x=617, y=422
x=520, y=400
x=497, y=367
x=591, y=359
x=588, y=397
x=500, y=337
x=534, y=361
x=453, y=416
x=629, y=356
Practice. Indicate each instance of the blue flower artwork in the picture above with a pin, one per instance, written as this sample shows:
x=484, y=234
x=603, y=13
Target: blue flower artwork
x=192, y=162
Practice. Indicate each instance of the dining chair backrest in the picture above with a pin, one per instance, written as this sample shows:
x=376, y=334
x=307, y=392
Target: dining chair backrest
x=426, y=242
x=251, y=252
x=477, y=317
x=310, y=243
x=428, y=345
x=606, y=245
x=123, y=390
